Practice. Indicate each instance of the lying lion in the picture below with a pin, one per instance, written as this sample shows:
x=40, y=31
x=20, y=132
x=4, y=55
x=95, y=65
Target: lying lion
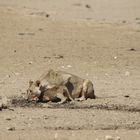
x=56, y=94
x=62, y=85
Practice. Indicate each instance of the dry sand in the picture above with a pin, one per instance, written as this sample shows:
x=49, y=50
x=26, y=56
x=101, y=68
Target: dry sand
x=99, y=40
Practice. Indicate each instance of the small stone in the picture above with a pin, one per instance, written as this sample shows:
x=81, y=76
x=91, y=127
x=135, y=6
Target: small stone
x=72, y=133
x=69, y=66
x=137, y=18
x=45, y=57
x=106, y=74
x=109, y=138
x=118, y=138
x=46, y=117
x=0, y=105
x=15, y=51
x=8, y=76
x=11, y=128
x=127, y=73
x=40, y=29
x=22, y=115
x=21, y=33
x=30, y=62
x=87, y=74
x=115, y=57
x=2, y=82
x=126, y=96
x=124, y=21
x=46, y=106
x=63, y=67
x=4, y=102
x=8, y=119
x=30, y=33
x=47, y=15
x=87, y=6
x=30, y=119
x=77, y=4
x=56, y=136
x=138, y=22
x=132, y=49
x=59, y=56
x=16, y=73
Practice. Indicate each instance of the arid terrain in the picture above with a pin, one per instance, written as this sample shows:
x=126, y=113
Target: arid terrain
x=94, y=39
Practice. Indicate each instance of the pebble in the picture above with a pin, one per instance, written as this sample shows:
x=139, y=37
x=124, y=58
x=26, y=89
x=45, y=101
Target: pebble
x=16, y=73
x=46, y=106
x=8, y=119
x=22, y=115
x=0, y=105
x=87, y=6
x=109, y=138
x=73, y=134
x=118, y=138
x=126, y=96
x=115, y=57
x=46, y=117
x=4, y=102
x=69, y=66
x=132, y=49
x=30, y=62
x=62, y=66
x=127, y=73
x=106, y=74
x=124, y=21
x=11, y=128
x=40, y=29
x=30, y=119
x=21, y=33
x=7, y=76
x=47, y=15
x=56, y=136
x=2, y=82
x=59, y=56
x=137, y=18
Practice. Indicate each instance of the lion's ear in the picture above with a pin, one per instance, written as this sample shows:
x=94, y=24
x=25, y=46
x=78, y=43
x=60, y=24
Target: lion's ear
x=37, y=83
x=30, y=82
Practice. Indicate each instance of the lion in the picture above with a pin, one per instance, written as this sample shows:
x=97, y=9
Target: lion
x=59, y=83
x=56, y=93
x=33, y=92
x=50, y=80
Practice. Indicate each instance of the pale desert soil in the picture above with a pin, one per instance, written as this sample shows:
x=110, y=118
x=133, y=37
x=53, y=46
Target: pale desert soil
x=97, y=40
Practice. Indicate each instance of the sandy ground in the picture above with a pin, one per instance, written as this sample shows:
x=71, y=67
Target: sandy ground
x=99, y=40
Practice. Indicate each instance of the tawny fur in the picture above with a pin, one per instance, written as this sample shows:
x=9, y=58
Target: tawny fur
x=54, y=83
x=55, y=94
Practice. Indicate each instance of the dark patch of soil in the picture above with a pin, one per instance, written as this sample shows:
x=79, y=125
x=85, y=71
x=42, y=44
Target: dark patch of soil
x=19, y=101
